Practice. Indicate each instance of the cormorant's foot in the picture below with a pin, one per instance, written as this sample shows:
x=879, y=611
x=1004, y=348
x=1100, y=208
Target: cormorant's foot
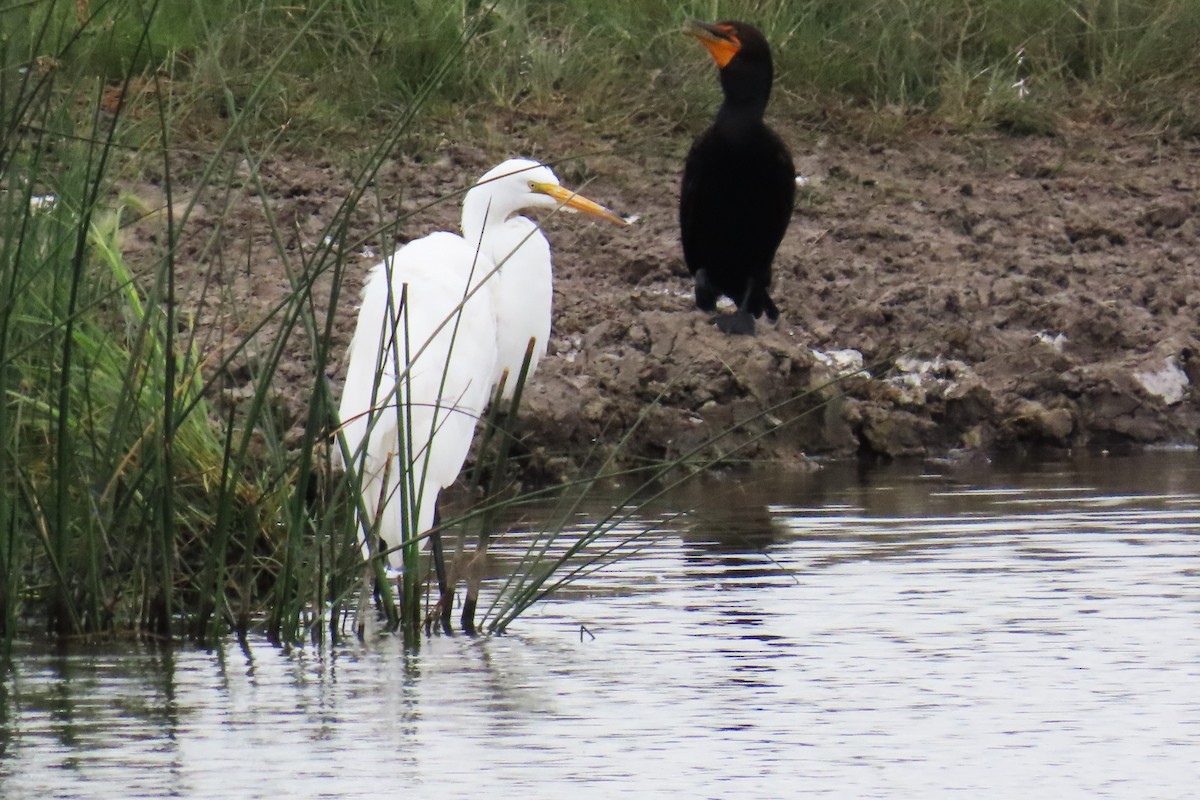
x=739, y=323
x=758, y=302
x=706, y=295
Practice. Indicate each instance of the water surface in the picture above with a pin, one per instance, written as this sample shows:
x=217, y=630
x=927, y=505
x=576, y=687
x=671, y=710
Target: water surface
x=945, y=631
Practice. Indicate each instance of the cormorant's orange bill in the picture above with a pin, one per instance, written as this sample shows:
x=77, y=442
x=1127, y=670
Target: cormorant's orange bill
x=576, y=202
x=721, y=40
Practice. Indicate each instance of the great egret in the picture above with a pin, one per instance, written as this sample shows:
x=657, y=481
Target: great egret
x=440, y=321
x=738, y=183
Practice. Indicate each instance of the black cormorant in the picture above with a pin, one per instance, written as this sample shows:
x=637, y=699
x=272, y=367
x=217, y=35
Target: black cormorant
x=739, y=183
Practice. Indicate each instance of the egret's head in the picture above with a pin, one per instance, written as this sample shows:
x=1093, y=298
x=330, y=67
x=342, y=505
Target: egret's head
x=519, y=184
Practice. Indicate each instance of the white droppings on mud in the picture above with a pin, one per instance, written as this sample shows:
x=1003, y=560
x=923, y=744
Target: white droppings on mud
x=666, y=291
x=1056, y=342
x=1170, y=382
x=921, y=374
x=843, y=362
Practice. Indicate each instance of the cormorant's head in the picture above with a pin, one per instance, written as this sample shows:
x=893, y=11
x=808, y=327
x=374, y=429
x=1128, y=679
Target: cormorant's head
x=741, y=53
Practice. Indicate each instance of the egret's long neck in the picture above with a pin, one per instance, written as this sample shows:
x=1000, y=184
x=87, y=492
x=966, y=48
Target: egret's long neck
x=524, y=293
x=480, y=206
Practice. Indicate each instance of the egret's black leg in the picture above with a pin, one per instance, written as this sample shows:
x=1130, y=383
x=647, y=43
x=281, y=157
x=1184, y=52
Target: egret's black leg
x=445, y=591
x=468, y=615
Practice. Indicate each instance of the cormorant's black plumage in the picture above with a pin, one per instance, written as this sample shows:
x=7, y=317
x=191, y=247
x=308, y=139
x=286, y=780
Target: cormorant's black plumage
x=738, y=184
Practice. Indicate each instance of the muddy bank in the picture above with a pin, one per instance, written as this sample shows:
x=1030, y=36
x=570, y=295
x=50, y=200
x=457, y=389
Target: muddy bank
x=1003, y=293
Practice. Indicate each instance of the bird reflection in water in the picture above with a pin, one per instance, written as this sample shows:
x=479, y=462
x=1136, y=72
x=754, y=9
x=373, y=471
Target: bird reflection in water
x=729, y=529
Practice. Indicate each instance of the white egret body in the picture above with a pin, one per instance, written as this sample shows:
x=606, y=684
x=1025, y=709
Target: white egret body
x=436, y=407
x=428, y=368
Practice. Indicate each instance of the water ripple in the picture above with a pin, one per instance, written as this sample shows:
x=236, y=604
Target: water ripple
x=998, y=634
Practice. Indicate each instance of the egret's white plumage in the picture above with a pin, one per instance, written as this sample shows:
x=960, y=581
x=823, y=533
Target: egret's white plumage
x=433, y=276
x=428, y=366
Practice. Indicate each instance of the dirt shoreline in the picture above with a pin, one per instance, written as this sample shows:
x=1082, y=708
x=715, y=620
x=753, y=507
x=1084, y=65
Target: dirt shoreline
x=1005, y=294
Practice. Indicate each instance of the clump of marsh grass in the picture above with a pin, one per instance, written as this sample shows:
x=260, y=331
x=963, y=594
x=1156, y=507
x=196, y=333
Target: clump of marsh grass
x=104, y=425
x=127, y=502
